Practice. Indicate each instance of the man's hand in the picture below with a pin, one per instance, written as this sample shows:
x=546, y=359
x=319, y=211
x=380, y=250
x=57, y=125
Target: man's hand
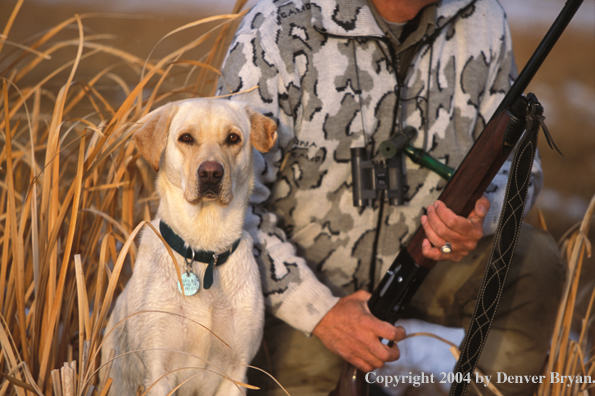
x=351, y=331
x=442, y=225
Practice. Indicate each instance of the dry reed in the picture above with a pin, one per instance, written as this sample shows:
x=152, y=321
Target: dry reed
x=572, y=353
x=73, y=193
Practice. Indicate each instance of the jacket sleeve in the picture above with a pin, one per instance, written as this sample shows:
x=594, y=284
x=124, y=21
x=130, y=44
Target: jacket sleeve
x=502, y=74
x=292, y=291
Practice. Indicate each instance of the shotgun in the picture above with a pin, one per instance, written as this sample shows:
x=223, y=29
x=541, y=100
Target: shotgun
x=466, y=186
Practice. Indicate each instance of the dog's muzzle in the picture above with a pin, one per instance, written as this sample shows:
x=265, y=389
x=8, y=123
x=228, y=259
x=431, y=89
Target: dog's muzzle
x=210, y=174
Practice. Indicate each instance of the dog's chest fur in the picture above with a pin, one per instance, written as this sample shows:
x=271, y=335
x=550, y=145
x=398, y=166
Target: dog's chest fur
x=233, y=292
x=219, y=326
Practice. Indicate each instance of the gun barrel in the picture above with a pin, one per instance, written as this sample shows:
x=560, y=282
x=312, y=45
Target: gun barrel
x=542, y=51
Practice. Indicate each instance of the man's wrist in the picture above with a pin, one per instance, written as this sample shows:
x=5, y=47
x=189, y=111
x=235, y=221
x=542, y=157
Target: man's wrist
x=305, y=306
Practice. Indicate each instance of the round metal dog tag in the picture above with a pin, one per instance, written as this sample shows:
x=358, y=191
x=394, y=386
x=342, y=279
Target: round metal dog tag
x=191, y=283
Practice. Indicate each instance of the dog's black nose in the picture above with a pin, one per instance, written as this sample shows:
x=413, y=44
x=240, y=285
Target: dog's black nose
x=210, y=172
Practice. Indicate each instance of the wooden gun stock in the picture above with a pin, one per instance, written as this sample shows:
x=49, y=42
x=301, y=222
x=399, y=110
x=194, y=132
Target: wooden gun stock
x=467, y=185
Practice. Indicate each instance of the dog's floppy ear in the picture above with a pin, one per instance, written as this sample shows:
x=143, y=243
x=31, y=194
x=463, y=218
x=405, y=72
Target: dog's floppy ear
x=263, y=131
x=151, y=137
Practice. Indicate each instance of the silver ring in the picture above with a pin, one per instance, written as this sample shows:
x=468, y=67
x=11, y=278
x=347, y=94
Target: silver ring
x=447, y=248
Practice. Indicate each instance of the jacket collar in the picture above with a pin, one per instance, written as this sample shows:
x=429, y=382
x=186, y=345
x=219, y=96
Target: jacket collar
x=345, y=18
x=355, y=18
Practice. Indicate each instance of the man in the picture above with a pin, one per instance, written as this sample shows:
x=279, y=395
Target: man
x=352, y=73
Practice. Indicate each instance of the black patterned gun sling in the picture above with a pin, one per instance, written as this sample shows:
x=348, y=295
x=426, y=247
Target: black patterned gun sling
x=503, y=249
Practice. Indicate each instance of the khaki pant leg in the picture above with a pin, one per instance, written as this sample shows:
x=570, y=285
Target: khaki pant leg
x=301, y=364
x=520, y=335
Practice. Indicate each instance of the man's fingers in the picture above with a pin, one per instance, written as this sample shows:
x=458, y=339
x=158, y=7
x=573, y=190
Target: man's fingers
x=383, y=330
x=437, y=235
x=371, y=354
x=458, y=229
x=352, y=332
x=442, y=225
x=434, y=253
x=429, y=251
x=387, y=353
x=482, y=206
x=377, y=353
x=361, y=365
x=432, y=229
x=390, y=332
x=446, y=226
x=446, y=221
x=362, y=295
x=485, y=205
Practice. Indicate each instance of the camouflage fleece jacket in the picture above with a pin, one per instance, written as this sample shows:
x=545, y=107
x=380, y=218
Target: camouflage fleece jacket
x=335, y=78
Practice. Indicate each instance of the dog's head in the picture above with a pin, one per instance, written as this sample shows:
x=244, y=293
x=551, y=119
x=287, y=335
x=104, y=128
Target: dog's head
x=204, y=146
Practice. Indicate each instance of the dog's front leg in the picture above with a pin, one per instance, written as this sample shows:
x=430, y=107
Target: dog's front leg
x=229, y=388
x=159, y=379
x=248, y=325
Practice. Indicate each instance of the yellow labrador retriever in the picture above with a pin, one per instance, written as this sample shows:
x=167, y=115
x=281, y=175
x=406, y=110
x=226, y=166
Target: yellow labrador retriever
x=202, y=150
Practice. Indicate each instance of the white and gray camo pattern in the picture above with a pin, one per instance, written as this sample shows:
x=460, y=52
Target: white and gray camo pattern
x=325, y=72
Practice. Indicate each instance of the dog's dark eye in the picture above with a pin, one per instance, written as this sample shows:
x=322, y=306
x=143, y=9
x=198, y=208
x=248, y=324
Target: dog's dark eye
x=186, y=138
x=233, y=138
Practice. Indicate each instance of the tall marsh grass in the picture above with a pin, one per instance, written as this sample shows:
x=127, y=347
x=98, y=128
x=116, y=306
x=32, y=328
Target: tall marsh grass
x=74, y=194
x=572, y=352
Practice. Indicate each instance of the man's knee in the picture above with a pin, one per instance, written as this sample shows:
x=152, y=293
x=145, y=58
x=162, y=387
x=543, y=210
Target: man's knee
x=521, y=333
x=538, y=258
